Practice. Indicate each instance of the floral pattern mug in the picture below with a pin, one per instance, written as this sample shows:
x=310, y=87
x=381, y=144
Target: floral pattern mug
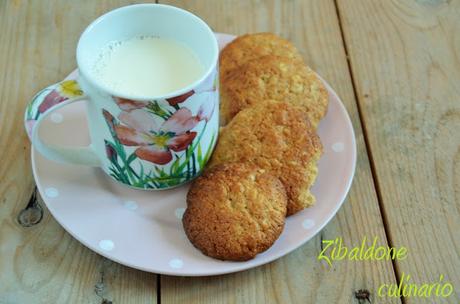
x=155, y=142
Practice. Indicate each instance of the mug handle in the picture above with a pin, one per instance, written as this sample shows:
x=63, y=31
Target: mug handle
x=43, y=104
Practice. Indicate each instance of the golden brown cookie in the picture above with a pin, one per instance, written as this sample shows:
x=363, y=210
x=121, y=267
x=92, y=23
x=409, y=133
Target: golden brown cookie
x=251, y=46
x=235, y=211
x=277, y=78
x=277, y=137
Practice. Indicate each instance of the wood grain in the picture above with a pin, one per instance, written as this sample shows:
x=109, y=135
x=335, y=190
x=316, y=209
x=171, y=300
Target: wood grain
x=298, y=278
x=42, y=263
x=406, y=66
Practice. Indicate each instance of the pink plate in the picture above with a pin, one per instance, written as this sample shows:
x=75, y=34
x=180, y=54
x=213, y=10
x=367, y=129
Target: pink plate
x=143, y=229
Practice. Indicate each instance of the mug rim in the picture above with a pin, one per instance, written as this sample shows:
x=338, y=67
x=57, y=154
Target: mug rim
x=178, y=92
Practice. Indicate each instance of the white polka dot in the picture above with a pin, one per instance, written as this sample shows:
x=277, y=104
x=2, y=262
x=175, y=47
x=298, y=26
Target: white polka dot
x=179, y=212
x=308, y=223
x=106, y=245
x=56, y=118
x=176, y=263
x=130, y=205
x=338, y=147
x=51, y=192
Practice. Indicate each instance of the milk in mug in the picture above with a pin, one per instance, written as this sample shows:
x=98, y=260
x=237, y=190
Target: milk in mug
x=147, y=66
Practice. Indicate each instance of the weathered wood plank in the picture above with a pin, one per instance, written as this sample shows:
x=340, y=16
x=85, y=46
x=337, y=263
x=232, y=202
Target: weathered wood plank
x=298, y=278
x=42, y=263
x=406, y=66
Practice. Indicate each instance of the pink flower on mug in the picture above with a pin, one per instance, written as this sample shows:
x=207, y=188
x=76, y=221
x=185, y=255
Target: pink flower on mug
x=129, y=104
x=52, y=99
x=206, y=110
x=109, y=119
x=63, y=91
x=179, y=99
x=208, y=85
x=154, y=143
x=110, y=151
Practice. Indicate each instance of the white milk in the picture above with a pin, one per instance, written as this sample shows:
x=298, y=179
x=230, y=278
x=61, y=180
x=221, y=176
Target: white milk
x=147, y=66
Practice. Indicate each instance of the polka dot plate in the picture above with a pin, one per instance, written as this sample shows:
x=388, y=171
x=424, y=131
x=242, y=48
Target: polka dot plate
x=143, y=229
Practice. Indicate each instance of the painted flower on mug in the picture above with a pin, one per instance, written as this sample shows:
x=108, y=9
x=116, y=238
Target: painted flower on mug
x=65, y=90
x=174, y=101
x=206, y=109
x=163, y=133
x=128, y=104
x=209, y=85
x=110, y=152
x=154, y=143
x=48, y=98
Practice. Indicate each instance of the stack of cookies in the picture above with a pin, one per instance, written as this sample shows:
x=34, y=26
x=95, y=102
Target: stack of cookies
x=266, y=158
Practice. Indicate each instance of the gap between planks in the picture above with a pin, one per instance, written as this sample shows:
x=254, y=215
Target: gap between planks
x=368, y=149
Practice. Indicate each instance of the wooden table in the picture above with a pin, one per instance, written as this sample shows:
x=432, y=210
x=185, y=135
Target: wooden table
x=396, y=66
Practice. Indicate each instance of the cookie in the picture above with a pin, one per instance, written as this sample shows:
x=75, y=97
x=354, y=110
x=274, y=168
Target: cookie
x=276, y=78
x=235, y=211
x=278, y=137
x=251, y=46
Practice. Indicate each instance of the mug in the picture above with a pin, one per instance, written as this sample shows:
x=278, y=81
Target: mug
x=145, y=142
